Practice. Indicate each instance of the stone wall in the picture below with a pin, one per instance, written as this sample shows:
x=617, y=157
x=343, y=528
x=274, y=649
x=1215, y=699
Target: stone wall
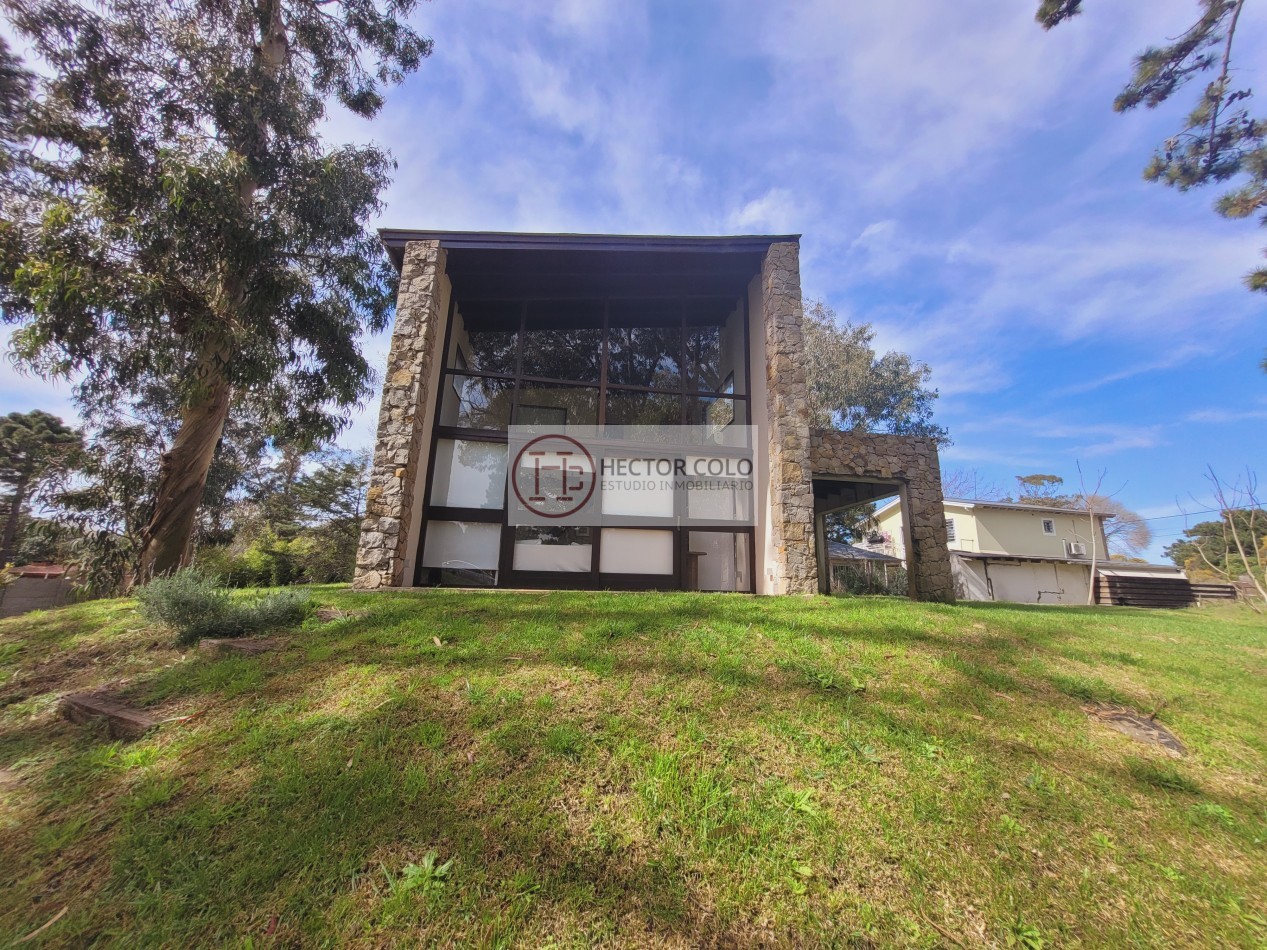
x=911, y=462
x=791, y=491
x=398, y=453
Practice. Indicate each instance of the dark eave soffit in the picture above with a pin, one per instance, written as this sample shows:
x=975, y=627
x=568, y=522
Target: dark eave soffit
x=394, y=240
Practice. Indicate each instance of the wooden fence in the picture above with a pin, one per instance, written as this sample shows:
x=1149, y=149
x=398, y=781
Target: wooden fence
x=1158, y=591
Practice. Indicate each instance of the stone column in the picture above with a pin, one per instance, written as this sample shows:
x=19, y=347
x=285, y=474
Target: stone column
x=389, y=504
x=791, y=493
x=928, y=558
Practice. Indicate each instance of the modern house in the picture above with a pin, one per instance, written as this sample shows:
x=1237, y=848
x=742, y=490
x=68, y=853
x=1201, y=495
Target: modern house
x=1027, y=554
x=496, y=332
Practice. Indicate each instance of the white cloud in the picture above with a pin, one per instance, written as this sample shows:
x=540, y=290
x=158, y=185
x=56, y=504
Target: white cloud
x=775, y=212
x=1224, y=416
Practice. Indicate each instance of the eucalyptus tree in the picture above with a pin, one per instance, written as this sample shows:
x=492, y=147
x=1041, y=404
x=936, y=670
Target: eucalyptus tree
x=186, y=221
x=852, y=387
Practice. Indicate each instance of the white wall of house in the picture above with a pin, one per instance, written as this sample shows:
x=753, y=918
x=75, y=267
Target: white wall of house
x=984, y=529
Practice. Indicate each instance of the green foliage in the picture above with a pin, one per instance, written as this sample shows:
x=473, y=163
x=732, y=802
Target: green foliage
x=102, y=507
x=856, y=578
x=850, y=387
x=190, y=224
x=1208, y=549
x=1041, y=489
x=192, y=604
x=300, y=524
x=30, y=444
x=182, y=222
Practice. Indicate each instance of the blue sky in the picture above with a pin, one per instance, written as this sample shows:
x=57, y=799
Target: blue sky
x=958, y=175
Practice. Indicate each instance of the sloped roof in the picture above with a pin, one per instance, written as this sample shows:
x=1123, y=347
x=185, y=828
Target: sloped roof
x=840, y=551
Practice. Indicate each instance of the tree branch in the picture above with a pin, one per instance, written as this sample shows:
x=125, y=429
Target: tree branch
x=1221, y=82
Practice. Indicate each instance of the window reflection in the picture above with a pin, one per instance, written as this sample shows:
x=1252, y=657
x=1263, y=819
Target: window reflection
x=473, y=402
x=644, y=344
x=548, y=404
x=643, y=409
x=712, y=412
x=486, y=338
x=564, y=340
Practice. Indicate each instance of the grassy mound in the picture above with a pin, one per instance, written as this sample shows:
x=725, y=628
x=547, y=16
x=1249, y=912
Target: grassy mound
x=631, y=769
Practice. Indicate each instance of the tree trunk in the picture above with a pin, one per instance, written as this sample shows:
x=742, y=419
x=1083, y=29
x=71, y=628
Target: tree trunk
x=181, y=481
x=11, y=523
x=165, y=543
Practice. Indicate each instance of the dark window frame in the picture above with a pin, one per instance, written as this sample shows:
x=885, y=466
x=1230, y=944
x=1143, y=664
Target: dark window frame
x=454, y=365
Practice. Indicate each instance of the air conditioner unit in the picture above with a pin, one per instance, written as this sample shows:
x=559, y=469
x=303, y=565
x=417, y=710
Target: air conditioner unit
x=1076, y=549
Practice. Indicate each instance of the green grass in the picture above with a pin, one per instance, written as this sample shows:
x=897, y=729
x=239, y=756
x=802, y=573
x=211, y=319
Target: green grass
x=630, y=769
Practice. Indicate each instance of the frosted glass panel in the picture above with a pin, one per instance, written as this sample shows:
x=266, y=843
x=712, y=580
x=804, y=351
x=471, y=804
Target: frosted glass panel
x=462, y=545
x=636, y=551
x=564, y=549
x=469, y=475
x=722, y=498
x=717, y=560
x=652, y=499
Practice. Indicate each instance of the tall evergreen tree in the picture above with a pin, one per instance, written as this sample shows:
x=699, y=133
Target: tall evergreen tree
x=29, y=443
x=189, y=224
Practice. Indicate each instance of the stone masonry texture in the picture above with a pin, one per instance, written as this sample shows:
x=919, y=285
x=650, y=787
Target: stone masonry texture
x=791, y=491
x=911, y=461
x=419, y=328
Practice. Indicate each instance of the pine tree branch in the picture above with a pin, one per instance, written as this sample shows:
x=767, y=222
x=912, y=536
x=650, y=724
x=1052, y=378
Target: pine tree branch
x=1221, y=82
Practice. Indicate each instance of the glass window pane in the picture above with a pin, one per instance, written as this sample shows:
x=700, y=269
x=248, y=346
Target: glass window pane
x=485, y=337
x=473, y=402
x=469, y=475
x=715, y=359
x=561, y=548
x=644, y=343
x=717, y=560
x=550, y=405
x=643, y=409
x=714, y=412
x=720, y=494
x=636, y=551
x=462, y=545
x=564, y=340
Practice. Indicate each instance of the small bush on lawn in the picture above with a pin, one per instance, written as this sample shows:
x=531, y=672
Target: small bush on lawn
x=190, y=603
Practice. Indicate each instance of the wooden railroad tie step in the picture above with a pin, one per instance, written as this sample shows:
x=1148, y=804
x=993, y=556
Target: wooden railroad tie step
x=245, y=647
x=123, y=722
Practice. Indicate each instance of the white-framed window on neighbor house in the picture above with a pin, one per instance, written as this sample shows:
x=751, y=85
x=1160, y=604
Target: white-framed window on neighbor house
x=1049, y=526
x=950, y=530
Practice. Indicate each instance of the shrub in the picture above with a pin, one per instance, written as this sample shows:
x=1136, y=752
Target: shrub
x=190, y=603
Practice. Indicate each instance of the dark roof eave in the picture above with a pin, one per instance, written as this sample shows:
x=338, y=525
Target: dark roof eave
x=395, y=239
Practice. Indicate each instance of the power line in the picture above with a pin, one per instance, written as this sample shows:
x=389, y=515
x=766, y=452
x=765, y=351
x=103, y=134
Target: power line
x=1186, y=514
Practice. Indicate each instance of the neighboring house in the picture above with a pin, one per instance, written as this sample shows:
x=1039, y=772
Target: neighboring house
x=496, y=329
x=1026, y=554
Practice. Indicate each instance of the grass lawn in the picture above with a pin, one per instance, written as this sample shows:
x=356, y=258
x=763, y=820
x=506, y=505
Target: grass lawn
x=574, y=769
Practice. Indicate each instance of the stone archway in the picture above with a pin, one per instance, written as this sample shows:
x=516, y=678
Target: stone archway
x=909, y=464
